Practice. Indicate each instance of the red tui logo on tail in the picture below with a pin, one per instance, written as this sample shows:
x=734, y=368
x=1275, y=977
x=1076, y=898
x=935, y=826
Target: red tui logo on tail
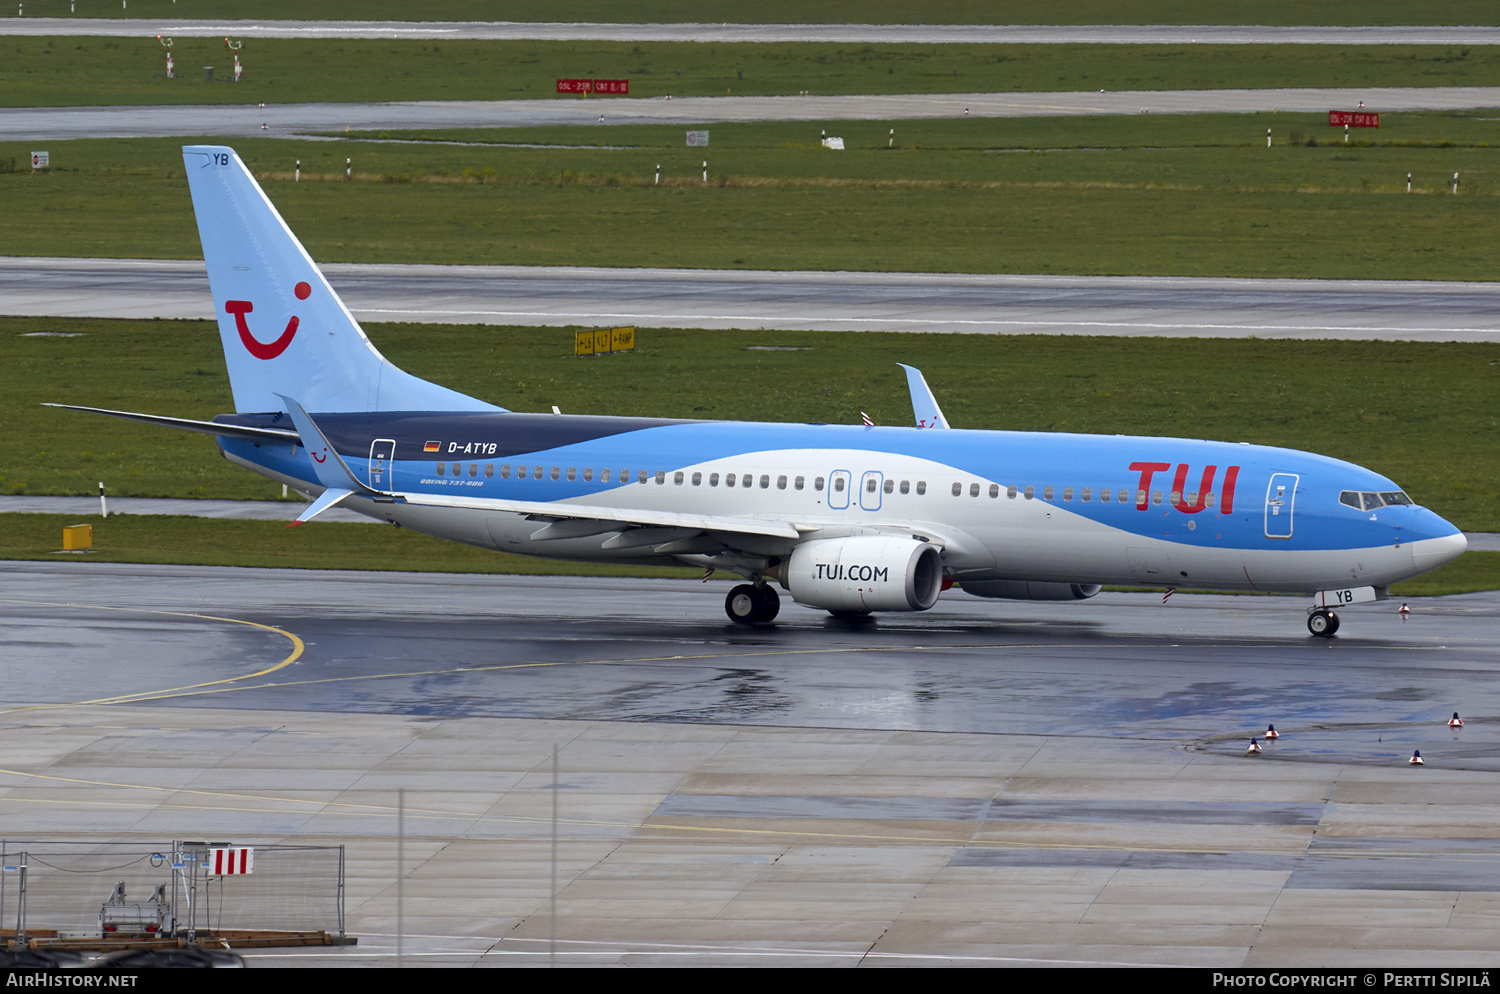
x=257, y=348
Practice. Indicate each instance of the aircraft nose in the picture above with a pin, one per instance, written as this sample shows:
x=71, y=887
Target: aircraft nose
x=1430, y=553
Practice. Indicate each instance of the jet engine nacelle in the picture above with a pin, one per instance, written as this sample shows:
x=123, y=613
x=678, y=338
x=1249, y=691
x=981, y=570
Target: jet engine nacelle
x=1030, y=590
x=865, y=573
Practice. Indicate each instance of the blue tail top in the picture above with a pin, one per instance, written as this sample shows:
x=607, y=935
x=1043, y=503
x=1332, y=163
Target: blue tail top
x=284, y=329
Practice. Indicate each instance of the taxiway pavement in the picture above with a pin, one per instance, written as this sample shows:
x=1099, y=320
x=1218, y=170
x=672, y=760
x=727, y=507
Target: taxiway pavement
x=989, y=782
x=924, y=34
x=686, y=298
x=302, y=120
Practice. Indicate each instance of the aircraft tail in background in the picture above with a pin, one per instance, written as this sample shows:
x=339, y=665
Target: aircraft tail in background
x=284, y=329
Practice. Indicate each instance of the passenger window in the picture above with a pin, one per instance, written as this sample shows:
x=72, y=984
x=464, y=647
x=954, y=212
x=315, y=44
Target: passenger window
x=1140, y=497
x=713, y=479
x=572, y=474
x=1047, y=494
x=890, y=486
x=870, y=485
x=677, y=478
x=556, y=473
x=1029, y=492
x=489, y=471
x=604, y=476
x=1105, y=495
x=765, y=481
x=588, y=474
x=537, y=472
x=505, y=472
x=1124, y=496
x=973, y=490
x=994, y=490
x=442, y=469
x=1067, y=493
x=1156, y=497
x=838, y=485
x=1011, y=491
x=728, y=479
x=1208, y=499
x=697, y=479
x=661, y=477
x=921, y=487
x=958, y=488
x=640, y=476
x=1174, y=498
x=1088, y=495
x=797, y=483
x=906, y=486
x=781, y=483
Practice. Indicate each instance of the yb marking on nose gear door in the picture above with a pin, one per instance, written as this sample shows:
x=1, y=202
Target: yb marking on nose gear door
x=257, y=348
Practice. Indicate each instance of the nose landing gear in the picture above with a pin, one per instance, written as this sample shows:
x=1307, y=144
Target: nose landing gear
x=1322, y=622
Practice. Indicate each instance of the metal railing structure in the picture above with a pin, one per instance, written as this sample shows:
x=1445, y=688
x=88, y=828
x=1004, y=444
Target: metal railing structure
x=84, y=888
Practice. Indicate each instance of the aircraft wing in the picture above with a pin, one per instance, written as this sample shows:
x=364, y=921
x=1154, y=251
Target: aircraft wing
x=616, y=515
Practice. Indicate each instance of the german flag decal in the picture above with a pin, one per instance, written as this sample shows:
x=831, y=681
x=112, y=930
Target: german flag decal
x=432, y=447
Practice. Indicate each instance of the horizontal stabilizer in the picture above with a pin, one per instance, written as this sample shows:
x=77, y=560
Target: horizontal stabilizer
x=187, y=424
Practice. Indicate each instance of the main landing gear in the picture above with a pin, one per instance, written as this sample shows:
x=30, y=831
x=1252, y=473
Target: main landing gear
x=752, y=604
x=1322, y=622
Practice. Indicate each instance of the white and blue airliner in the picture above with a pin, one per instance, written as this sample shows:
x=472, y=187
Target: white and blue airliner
x=849, y=519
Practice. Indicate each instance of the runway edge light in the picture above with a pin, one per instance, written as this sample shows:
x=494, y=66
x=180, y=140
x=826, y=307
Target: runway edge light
x=1455, y=721
x=1416, y=758
x=1272, y=733
x=1254, y=747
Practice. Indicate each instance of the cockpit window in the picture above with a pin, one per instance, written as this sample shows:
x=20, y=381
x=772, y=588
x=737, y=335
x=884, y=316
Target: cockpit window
x=1369, y=501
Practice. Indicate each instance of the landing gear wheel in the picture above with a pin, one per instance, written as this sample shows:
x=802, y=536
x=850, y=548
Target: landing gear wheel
x=740, y=605
x=748, y=604
x=1323, y=623
x=767, y=602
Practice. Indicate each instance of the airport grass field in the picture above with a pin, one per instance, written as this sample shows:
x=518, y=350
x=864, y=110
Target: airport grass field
x=83, y=71
x=1285, y=12
x=1425, y=415
x=1195, y=195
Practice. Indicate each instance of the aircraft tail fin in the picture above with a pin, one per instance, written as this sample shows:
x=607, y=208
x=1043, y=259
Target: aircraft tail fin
x=283, y=328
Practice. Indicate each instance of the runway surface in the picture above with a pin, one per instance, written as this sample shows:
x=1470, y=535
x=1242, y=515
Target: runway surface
x=926, y=34
x=302, y=120
x=917, y=302
x=989, y=782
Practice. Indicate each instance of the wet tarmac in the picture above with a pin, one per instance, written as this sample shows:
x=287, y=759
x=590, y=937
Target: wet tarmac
x=987, y=782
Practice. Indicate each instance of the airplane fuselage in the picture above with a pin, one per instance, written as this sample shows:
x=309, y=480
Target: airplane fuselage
x=1051, y=508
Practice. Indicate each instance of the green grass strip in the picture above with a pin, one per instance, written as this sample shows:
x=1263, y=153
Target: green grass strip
x=86, y=71
x=1197, y=195
x=1425, y=415
x=1274, y=12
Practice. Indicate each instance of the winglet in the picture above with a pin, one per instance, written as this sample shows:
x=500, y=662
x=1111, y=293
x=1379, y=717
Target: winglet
x=332, y=472
x=327, y=499
x=924, y=406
